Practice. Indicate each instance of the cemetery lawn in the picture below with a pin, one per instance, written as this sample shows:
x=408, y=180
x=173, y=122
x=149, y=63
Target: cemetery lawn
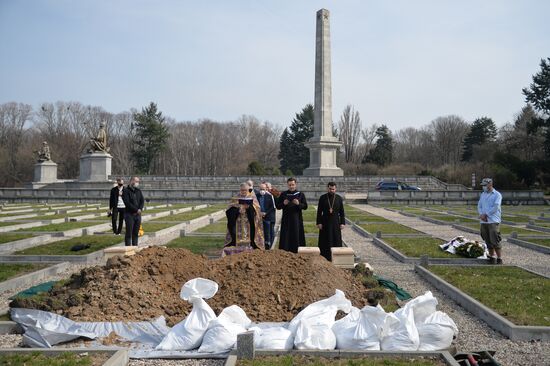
x=9, y=223
x=61, y=227
x=9, y=237
x=8, y=270
x=151, y=226
x=389, y=228
x=199, y=244
x=189, y=215
x=518, y=295
x=365, y=218
x=63, y=247
x=311, y=228
x=63, y=359
x=538, y=241
x=507, y=229
x=310, y=214
x=217, y=227
x=415, y=247
x=312, y=241
x=298, y=360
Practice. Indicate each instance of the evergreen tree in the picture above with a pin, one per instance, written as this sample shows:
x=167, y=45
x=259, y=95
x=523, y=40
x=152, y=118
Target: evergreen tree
x=382, y=153
x=482, y=130
x=150, y=137
x=538, y=94
x=293, y=154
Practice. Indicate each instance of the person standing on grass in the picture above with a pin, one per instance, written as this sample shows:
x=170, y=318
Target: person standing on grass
x=489, y=209
x=116, y=206
x=292, y=202
x=331, y=220
x=267, y=209
x=133, y=201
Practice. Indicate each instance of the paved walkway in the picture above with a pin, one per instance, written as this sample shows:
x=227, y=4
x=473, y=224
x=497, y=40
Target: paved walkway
x=511, y=253
x=473, y=333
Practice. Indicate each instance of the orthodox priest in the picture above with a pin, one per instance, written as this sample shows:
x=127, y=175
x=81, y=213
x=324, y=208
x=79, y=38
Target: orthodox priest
x=331, y=220
x=292, y=202
x=244, y=223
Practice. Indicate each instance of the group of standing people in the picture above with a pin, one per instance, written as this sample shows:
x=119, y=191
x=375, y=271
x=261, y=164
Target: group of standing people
x=251, y=219
x=126, y=203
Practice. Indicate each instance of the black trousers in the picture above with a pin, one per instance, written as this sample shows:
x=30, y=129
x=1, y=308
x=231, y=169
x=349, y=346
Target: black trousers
x=132, y=229
x=232, y=213
x=118, y=214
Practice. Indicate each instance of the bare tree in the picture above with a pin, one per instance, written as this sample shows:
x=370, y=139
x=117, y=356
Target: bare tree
x=350, y=132
x=448, y=136
x=13, y=117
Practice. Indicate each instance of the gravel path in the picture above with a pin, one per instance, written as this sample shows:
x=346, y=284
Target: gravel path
x=474, y=334
x=511, y=253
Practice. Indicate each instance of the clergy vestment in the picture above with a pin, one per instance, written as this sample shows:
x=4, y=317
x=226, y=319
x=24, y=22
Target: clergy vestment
x=330, y=213
x=244, y=226
x=292, y=233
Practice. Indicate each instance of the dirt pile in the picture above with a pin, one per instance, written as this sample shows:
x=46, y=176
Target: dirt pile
x=269, y=286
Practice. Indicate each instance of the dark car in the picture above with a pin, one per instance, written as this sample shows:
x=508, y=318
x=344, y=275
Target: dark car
x=394, y=185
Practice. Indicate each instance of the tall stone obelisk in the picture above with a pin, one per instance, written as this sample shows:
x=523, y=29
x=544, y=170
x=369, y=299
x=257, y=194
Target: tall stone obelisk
x=323, y=146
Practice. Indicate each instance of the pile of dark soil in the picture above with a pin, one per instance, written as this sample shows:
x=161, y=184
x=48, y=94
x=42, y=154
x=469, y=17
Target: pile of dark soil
x=269, y=286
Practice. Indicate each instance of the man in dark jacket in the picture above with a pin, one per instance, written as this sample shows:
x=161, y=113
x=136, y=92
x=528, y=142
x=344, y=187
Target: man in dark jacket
x=116, y=206
x=133, y=200
x=267, y=207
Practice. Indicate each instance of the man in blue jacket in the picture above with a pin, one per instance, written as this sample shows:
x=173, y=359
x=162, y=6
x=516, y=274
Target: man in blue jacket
x=267, y=207
x=489, y=211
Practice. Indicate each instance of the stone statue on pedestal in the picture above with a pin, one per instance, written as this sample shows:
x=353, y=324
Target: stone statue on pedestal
x=44, y=153
x=99, y=143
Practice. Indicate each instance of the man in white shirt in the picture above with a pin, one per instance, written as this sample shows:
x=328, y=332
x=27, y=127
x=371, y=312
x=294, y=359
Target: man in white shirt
x=489, y=209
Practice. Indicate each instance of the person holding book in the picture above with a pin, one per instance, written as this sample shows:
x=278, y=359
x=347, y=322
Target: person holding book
x=331, y=220
x=292, y=202
x=244, y=223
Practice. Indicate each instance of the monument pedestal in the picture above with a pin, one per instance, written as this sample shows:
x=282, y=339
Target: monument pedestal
x=95, y=167
x=45, y=172
x=322, y=158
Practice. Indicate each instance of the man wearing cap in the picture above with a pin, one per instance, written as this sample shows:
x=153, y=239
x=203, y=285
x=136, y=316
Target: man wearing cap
x=489, y=211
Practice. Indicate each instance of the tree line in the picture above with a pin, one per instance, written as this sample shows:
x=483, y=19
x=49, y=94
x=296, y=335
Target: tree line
x=145, y=141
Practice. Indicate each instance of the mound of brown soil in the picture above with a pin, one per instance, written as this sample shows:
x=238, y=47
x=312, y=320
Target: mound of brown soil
x=269, y=286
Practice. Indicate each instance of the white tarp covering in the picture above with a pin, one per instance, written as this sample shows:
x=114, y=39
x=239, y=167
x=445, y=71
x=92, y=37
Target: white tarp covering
x=416, y=326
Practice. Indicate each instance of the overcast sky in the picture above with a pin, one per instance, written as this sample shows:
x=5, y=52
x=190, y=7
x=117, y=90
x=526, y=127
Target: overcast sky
x=402, y=63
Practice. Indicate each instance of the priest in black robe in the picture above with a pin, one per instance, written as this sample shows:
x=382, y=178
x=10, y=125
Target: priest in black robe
x=292, y=202
x=331, y=219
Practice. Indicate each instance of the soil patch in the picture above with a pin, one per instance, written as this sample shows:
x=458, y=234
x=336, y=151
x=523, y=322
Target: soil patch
x=269, y=285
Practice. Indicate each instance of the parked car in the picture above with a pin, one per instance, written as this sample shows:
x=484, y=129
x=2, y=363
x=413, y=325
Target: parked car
x=394, y=185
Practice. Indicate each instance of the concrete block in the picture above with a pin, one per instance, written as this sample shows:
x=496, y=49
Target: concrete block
x=309, y=251
x=245, y=346
x=343, y=257
x=114, y=251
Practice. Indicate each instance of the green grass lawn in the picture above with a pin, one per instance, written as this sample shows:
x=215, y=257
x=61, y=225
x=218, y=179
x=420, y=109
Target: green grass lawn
x=310, y=214
x=542, y=223
x=199, y=244
x=507, y=229
x=415, y=247
x=518, y=219
x=518, y=295
x=150, y=227
x=389, y=229
x=543, y=242
x=8, y=270
x=8, y=237
x=452, y=219
x=312, y=241
x=63, y=247
x=217, y=227
x=63, y=359
x=367, y=218
x=310, y=228
x=61, y=227
x=10, y=223
x=299, y=360
x=190, y=215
